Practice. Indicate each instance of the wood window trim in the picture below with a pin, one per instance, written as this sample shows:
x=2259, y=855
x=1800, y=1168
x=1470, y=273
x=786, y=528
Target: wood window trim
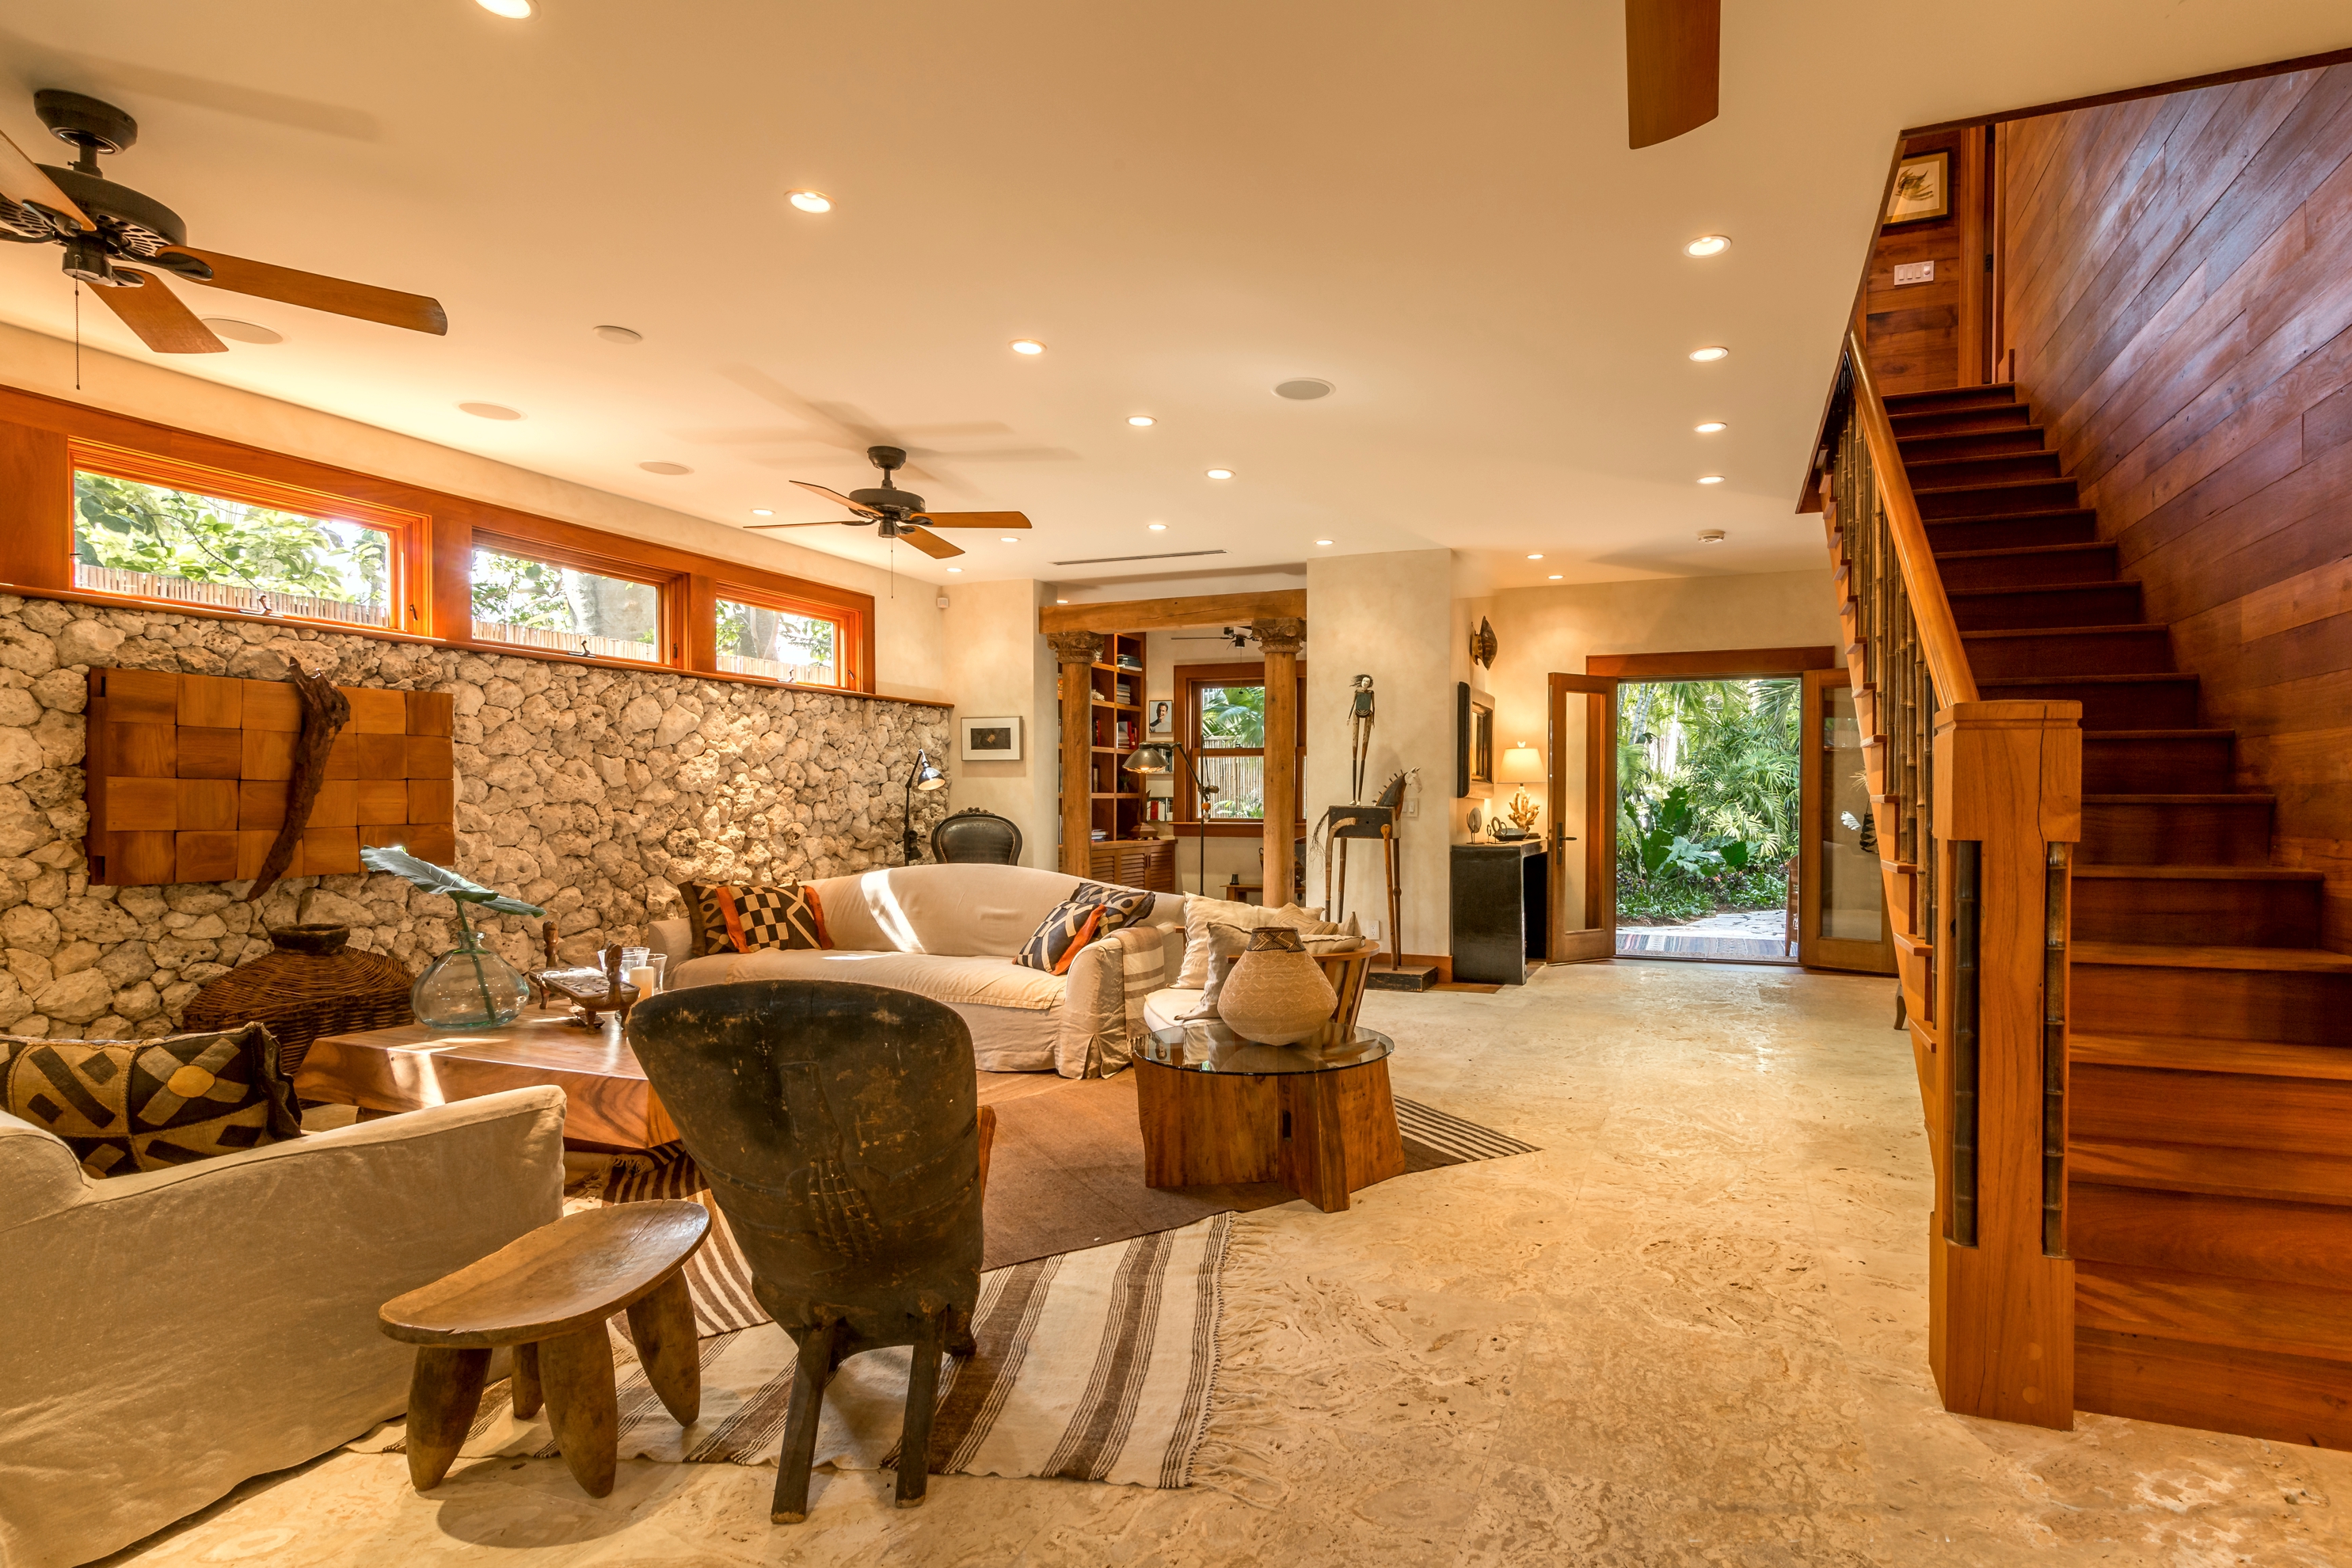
x=853, y=611
x=408, y=531
x=670, y=589
x=1714, y=664
x=38, y=434
x=1189, y=678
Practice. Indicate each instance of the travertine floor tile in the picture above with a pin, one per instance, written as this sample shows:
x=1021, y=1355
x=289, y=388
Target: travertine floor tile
x=1691, y=1330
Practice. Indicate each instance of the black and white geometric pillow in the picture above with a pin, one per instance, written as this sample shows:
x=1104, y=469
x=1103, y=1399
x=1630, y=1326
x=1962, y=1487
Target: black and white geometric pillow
x=784, y=916
x=147, y=1105
x=1091, y=912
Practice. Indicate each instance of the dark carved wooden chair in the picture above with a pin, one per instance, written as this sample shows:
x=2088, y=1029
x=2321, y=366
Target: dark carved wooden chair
x=973, y=834
x=838, y=1126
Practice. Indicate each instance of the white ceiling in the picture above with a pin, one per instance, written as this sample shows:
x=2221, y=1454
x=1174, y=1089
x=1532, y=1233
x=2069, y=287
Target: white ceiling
x=1430, y=207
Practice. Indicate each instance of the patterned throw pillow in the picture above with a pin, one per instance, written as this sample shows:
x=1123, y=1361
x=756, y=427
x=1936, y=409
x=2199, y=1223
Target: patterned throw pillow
x=1090, y=913
x=146, y=1105
x=731, y=918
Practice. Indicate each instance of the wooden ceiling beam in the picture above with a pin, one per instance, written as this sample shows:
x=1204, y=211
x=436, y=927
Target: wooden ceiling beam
x=1164, y=614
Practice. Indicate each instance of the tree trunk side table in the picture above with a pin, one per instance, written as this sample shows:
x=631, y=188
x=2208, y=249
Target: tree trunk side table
x=548, y=1294
x=1317, y=1116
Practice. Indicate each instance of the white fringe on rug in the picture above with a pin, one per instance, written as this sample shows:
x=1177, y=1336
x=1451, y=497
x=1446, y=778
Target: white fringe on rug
x=1094, y=1365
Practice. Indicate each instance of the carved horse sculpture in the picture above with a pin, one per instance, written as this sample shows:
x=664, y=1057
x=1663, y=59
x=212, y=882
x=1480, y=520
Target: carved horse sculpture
x=1379, y=820
x=839, y=1127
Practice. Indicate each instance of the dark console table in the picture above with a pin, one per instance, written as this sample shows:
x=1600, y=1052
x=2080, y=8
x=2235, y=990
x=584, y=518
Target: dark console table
x=1502, y=897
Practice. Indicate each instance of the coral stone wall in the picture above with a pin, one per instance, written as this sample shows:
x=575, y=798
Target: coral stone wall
x=591, y=790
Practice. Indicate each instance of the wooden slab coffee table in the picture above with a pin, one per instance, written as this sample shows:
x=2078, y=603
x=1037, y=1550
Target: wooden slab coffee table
x=1317, y=1117
x=607, y=1101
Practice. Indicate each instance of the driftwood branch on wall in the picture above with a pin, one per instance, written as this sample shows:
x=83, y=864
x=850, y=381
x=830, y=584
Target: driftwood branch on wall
x=325, y=711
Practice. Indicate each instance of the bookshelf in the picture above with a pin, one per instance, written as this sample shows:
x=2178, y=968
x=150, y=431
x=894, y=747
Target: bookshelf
x=1116, y=699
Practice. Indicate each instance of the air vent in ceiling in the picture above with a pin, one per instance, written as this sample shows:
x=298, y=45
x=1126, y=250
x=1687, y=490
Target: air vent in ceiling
x=1113, y=559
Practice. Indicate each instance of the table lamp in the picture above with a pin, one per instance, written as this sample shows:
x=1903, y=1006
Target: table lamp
x=1522, y=765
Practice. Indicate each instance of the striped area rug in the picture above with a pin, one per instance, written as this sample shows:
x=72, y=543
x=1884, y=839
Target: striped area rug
x=1094, y=1365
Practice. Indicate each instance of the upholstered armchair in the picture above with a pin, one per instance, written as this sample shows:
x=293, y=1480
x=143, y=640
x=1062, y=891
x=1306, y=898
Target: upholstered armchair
x=170, y=1333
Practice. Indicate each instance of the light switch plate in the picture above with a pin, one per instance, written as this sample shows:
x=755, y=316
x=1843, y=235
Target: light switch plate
x=1915, y=272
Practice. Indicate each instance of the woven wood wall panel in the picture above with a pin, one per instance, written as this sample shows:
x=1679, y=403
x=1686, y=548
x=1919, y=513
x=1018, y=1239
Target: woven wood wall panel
x=188, y=778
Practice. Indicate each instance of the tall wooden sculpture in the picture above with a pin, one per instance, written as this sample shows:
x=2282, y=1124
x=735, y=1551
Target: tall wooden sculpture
x=1378, y=820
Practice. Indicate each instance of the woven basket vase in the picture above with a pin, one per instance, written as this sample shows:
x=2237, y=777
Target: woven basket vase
x=1277, y=994
x=312, y=985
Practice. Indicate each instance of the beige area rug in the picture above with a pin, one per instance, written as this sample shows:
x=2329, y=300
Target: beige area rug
x=1094, y=1365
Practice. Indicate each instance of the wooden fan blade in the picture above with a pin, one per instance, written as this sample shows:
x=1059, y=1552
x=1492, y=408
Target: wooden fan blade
x=1673, y=68
x=971, y=520
x=156, y=314
x=829, y=522
x=21, y=181
x=937, y=549
x=837, y=498
x=337, y=296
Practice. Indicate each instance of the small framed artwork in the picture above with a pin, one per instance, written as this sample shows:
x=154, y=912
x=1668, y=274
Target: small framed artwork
x=1922, y=188
x=1474, y=745
x=1160, y=717
x=992, y=740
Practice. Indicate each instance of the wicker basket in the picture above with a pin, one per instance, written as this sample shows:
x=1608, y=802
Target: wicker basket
x=313, y=984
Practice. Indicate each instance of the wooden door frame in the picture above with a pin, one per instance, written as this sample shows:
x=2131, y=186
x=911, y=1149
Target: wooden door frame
x=1599, y=693
x=1815, y=950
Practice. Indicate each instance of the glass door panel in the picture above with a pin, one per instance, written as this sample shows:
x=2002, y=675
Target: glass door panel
x=1842, y=893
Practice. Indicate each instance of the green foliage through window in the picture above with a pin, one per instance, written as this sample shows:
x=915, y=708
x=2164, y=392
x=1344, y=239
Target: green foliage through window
x=538, y=603
x=754, y=639
x=173, y=539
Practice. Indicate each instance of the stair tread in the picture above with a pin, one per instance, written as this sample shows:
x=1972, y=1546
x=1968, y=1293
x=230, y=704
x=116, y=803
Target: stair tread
x=2015, y=516
x=1985, y=391
x=2069, y=631
x=2051, y=588
x=2194, y=734
x=2281, y=960
x=2261, y=1059
x=1997, y=485
x=2197, y=873
x=2140, y=677
x=2021, y=550
x=1918, y=465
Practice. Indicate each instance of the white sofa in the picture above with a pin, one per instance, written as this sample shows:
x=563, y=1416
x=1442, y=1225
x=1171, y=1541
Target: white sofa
x=951, y=933
x=170, y=1333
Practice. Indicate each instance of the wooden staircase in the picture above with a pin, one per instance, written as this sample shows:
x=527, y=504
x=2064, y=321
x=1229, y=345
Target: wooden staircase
x=2209, y=1111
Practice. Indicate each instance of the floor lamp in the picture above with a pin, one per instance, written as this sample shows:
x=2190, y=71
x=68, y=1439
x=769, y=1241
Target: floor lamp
x=926, y=778
x=1160, y=757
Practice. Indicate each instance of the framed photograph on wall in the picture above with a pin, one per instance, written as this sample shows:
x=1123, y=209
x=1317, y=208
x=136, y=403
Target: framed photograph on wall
x=992, y=740
x=1922, y=188
x=1474, y=742
x=1160, y=720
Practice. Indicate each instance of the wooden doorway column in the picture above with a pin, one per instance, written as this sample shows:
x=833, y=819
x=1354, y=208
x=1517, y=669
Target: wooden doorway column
x=1280, y=639
x=1078, y=651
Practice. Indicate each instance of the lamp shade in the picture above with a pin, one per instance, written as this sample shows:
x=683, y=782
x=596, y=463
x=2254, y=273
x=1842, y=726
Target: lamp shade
x=926, y=776
x=1521, y=764
x=1149, y=758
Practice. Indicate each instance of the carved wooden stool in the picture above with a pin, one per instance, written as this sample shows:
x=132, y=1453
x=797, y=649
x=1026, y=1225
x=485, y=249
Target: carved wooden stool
x=548, y=1294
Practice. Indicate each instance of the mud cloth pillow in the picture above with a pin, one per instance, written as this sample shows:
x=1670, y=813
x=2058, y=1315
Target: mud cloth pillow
x=146, y=1105
x=1090, y=913
x=729, y=917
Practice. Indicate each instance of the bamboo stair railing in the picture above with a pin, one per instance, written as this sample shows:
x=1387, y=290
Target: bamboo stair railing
x=1976, y=806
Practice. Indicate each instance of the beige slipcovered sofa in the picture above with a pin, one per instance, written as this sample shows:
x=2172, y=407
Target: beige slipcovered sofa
x=951, y=933
x=166, y=1335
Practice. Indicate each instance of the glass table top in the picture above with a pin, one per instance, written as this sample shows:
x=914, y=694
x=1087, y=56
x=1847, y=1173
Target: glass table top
x=1209, y=1045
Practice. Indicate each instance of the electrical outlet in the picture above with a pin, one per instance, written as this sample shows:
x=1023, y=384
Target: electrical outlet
x=1915, y=272
x=1412, y=806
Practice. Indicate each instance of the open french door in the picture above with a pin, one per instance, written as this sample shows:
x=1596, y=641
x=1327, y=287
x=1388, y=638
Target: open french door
x=1581, y=785
x=1840, y=894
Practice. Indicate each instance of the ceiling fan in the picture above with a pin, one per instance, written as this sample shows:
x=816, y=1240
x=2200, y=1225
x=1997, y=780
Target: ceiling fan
x=1674, y=68
x=899, y=514
x=102, y=225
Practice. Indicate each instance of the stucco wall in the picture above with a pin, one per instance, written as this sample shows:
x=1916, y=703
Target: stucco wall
x=998, y=666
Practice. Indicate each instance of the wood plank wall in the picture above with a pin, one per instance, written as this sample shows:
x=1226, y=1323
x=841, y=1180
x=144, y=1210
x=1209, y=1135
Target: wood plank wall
x=2178, y=286
x=1919, y=336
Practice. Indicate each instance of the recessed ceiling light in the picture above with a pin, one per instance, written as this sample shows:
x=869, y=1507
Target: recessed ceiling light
x=1537, y=556
x=230, y=327
x=666, y=467
x=1709, y=354
x=1010, y=539
x=1322, y=542
x=763, y=511
x=1061, y=601
x=1710, y=478
x=1141, y=420
x=1157, y=527
x=1712, y=428
x=1305, y=389
x=512, y=10
x=1555, y=576
x=1707, y=244
x=1221, y=473
x=488, y=411
x=619, y=334
x=1027, y=346
x=811, y=201
x=1710, y=536
x=954, y=570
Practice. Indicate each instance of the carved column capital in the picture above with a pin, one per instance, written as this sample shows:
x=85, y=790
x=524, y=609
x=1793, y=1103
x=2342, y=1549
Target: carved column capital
x=1285, y=635
x=1075, y=648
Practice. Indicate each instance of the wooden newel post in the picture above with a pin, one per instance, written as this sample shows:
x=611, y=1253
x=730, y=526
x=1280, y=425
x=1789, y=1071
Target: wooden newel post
x=1077, y=652
x=1280, y=640
x=2008, y=789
